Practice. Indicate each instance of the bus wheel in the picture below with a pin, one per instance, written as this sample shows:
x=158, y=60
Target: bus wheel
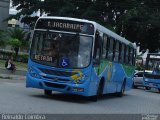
x=121, y=93
x=99, y=92
x=48, y=92
x=147, y=88
x=93, y=98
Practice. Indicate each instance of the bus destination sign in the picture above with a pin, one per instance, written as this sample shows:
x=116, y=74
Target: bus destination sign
x=65, y=25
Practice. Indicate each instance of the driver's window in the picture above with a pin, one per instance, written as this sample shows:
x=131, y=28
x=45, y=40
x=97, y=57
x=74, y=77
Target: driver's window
x=97, y=46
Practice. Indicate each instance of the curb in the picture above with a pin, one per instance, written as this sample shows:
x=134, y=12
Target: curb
x=12, y=77
x=17, y=72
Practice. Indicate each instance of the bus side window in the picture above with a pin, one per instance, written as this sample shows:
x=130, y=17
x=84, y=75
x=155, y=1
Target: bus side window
x=97, y=48
x=129, y=50
x=124, y=57
x=107, y=48
x=110, y=52
x=127, y=54
x=104, y=52
x=131, y=56
x=116, y=51
x=134, y=57
x=122, y=53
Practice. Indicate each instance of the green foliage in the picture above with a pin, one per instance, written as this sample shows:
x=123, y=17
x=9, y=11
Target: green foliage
x=19, y=34
x=21, y=57
x=14, y=42
x=3, y=38
x=136, y=20
x=139, y=67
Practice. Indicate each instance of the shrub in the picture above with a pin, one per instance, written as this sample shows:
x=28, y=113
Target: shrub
x=21, y=57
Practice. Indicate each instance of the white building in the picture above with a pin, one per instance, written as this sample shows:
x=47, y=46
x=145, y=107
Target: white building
x=14, y=22
x=4, y=13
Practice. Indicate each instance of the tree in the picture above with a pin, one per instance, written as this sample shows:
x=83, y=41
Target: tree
x=17, y=40
x=136, y=20
x=2, y=38
x=142, y=24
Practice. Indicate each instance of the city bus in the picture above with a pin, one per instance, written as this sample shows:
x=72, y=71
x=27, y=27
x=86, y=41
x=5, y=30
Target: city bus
x=78, y=56
x=152, y=71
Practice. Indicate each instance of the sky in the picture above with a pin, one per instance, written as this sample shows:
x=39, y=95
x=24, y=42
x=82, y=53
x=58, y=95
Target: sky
x=12, y=10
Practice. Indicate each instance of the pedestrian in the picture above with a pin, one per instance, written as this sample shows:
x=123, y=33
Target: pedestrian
x=10, y=65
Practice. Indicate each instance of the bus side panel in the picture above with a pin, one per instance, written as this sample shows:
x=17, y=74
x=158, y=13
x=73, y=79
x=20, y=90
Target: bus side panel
x=108, y=75
x=93, y=85
x=129, y=73
x=114, y=75
x=118, y=76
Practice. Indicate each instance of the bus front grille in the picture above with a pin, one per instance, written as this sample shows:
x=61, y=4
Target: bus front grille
x=56, y=79
x=57, y=73
x=54, y=85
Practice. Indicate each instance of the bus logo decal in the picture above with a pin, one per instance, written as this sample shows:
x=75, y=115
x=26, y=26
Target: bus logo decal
x=77, y=75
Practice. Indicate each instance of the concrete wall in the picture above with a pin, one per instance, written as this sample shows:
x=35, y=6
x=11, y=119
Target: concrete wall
x=4, y=13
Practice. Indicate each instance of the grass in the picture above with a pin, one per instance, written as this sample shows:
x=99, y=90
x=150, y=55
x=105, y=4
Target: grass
x=19, y=65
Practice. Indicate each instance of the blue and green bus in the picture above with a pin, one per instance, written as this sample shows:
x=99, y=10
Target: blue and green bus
x=152, y=71
x=81, y=57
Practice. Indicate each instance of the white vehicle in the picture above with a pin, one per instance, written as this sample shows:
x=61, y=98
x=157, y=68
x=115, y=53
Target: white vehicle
x=138, y=79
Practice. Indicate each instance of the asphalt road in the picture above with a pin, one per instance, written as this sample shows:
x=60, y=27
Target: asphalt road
x=15, y=98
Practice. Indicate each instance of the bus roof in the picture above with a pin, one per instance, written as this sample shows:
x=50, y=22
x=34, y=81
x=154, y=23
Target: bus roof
x=97, y=26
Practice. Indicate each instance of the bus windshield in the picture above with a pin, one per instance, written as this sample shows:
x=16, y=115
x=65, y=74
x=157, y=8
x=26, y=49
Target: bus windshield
x=154, y=66
x=61, y=49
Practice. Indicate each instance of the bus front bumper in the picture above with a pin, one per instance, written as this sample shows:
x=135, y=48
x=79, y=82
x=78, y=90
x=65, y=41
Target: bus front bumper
x=152, y=84
x=65, y=87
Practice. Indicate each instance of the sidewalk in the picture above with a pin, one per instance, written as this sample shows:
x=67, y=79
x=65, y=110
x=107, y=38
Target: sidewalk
x=18, y=75
x=12, y=77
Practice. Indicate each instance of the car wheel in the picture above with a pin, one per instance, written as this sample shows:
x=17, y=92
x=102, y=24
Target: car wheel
x=135, y=87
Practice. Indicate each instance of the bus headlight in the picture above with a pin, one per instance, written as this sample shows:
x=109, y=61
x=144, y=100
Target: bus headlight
x=33, y=72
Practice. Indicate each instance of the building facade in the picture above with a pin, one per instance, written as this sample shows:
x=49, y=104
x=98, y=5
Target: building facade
x=4, y=13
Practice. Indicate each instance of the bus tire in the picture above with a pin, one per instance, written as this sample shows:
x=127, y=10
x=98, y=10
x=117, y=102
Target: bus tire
x=99, y=91
x=147, y=88
x=121, y=93
x=48, y=92
x=93, y=98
